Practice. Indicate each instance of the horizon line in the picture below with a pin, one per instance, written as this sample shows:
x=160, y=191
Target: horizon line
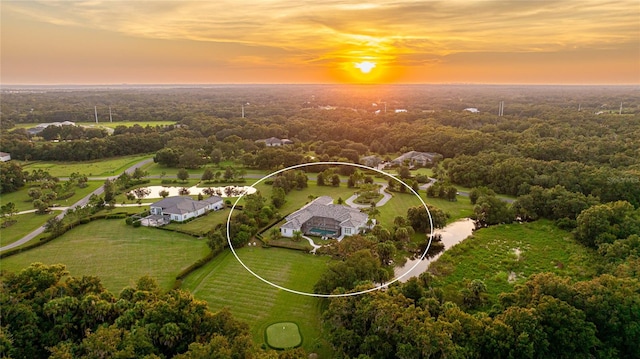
x=2, y=86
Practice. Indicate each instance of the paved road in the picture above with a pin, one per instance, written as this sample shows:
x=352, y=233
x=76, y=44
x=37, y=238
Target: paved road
x=80, y=203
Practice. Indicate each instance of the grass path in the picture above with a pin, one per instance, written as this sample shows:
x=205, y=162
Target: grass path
x=223, y=282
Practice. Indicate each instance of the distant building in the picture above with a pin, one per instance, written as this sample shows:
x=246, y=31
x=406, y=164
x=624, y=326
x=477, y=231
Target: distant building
x=181, y=208
x=399, y=110
x=40, y=127
x=4, y=157
x=321, y=217
x=371, y=161
x=415, y=158
x=275, y=142
x=472, y=110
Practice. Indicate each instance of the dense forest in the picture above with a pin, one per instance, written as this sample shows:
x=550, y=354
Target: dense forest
x=567, y=154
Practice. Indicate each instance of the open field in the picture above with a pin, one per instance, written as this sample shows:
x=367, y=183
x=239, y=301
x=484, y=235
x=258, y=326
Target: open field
x=491, y=254
x=25, y=224
x=108, y=124
x=23, y=202
x=126, y=123
x=117, y=253
x=397, y=206
x=423, y=171
x=98, y=168
x=156, y=169
x=223, y=282
x=461, y=208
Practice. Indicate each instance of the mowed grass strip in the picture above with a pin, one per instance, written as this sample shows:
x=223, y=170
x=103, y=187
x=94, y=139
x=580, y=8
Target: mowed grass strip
x=223, y=282
x=493, y=253
x=102, y=167
x=117, y=253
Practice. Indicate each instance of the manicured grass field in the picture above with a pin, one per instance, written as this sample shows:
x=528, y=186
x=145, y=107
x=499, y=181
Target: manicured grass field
x=491, y=255
x=461, y=208
x=283, y=335
x=117, y=253
x=223, y=282
x=23, y=202
x=397, y=206
x=203, y=224
x=156, y=169
x=127, y=123
x=25, y=224
x=98, y=168
x=297, y=198
x=108, y=124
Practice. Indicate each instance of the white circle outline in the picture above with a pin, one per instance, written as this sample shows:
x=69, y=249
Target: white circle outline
x=329, y=295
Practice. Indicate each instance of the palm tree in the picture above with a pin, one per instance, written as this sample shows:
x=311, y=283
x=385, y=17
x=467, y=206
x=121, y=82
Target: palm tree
x=274, y=233
x=297, y=236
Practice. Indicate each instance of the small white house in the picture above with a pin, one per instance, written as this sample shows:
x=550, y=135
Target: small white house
x=181, y=208
x=4, y=157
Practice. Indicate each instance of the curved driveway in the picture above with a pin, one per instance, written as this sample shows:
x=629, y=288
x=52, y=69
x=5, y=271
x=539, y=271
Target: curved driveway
x=82, y=202
x=385, y=198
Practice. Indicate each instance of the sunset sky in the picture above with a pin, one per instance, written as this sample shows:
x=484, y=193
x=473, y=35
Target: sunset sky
x=329, y=41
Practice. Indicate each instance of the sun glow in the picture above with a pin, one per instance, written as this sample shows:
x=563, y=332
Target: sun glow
x=365, y=66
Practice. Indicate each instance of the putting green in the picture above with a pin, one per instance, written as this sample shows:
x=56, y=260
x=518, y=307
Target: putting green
x=283, y=335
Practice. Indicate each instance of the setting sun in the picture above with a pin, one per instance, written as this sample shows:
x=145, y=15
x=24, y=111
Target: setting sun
x=365, y=66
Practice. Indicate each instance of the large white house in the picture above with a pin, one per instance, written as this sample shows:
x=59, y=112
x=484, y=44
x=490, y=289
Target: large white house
x=321, y=217
x=415, y=158
x=181, y=208
x=275, y=142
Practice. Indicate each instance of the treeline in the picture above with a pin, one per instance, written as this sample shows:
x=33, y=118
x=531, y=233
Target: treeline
x=517, y=176
x=46, y=313
x=546, y=317
x=542, y=125
x=150, y=139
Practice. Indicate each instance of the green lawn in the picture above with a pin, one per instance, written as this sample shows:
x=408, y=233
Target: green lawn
x=491, y=255
x=20, y=198
x=423, y=171
x=297, y=198
x=108, y=124
x=127, y=123
x=98, y=168
x=158, y=169
x=117, y=253
x=23, y=202
x=462, y=208
x=26, y=223
x=397, y=206
x=223, y=282
x=203, y=224
x=283, y=335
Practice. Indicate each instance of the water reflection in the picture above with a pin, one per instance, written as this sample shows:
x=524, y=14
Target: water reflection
x=450, y=235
